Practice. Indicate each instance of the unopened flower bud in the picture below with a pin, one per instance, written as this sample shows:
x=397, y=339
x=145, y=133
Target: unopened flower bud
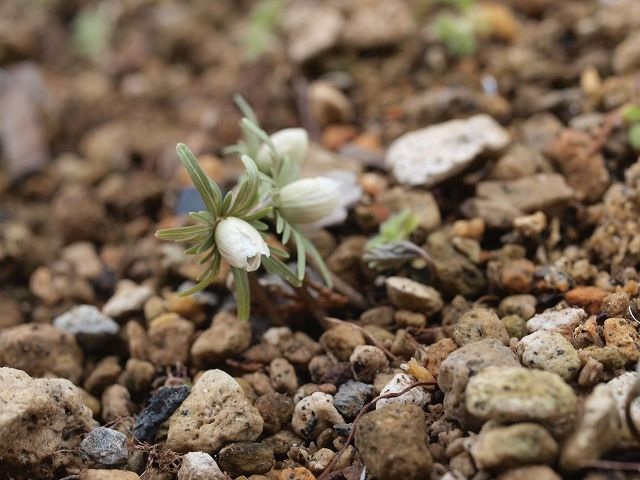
x=308, y=200
x=240, y=244
x=290, y=142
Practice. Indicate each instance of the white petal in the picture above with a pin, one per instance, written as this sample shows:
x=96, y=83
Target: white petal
x=240, y=244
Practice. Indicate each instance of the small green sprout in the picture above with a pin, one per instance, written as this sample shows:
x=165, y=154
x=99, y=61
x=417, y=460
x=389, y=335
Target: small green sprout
x=631, y=115
x=457, y=33
x=391, y=248
x=233, y=227
x=261, y=27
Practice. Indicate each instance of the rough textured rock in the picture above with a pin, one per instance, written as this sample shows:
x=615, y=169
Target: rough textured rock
x=499, y=203
x=225, y=338
x=598, y=430
x=315, y=413
x=411, y=295
x=105, y=446
x=351, y=397
x=366, y=361
x=621, y=334
x=392, y=443
x=462, y=364
x=246, y=458
x=539, y=472
x=523, y=305
x=129, y=298
x=515, y=394
x=381, y=23
x=311, y=29
x=398, y=383
x=36, y=416
x=92, y=328
x=557, y=320
x=276, y=410
x=40, y=350
x=433, y=154
x=169, y=339
x=215, y=413
x=512, y=446
x=620, y=387
x=160, y=407
x=283, y=376
x=199, y=466
x=479, y=324
x=341, y=341
x=104, y=474
x=549, y=351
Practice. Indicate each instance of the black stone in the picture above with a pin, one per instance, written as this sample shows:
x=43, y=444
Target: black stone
x=160, y=407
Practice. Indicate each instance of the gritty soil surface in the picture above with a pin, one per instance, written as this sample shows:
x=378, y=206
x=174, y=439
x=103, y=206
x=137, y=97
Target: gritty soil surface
x=501, y=343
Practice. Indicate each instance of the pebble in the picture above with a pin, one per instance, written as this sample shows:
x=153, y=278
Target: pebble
x=351, y=398
x=479, y=324
x=620, y=387
x=408, y=319
x=283, y=376
x=104, y=474
x=161, y=406
x=516, y=394
x=513, y=446
x=199, y=466
x=41, y=350
x=246, y=458
x=138, y=375
x=105, y=446
x=549, y=351
x=523, y=305
x=516, y=326
x=499, y=202
x=84, y=258
x=169, y=338
x=381, y=316
x=10, y=312
x=116, y=406
x=341, y=341
x=366, y=361
x=461, y=365
x=276, y=410
x=626, y=58
x=392, y=443
x=433, y=154
x=378, y=24
x=215, y=413
x=399, y=382
x=539, y=472
x=597, y=431
x=129, y=298
x=327, y=104
x=226, y=338
x=408, y=294
x=564, y=320
x=282, y=442
x=137, y=340
x=105, y=373
x=516, y=276
x=589, y=298
x=92, y=328
x=620, y=334
x=297, y=473
x=311, y=29
x=37, y=414
x=435, y=354
x=421, y=203
x=315, y=413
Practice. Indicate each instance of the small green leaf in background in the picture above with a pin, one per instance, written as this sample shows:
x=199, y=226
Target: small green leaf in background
x=631, y=114
x=262, y=26
x=634, y=136
x=457, y=34
x=397, y=227
x=91, y=32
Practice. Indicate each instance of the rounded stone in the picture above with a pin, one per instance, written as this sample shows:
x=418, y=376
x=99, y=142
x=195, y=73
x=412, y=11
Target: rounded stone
x=549, y=351
x=479, y=324
x=408, y=294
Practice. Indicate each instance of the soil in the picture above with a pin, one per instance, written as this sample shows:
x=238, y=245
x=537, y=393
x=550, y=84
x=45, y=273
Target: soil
x=499, y=340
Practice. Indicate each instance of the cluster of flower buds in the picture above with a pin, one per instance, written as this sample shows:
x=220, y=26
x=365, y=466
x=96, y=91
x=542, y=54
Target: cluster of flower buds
x=270, y=196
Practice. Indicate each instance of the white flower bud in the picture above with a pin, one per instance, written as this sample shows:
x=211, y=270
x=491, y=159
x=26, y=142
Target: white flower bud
x=308, y=200
x=290, y=142
x=240, y=244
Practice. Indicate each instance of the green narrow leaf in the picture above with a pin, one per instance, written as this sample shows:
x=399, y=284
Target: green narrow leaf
x=318, y=262
x=204, y=282
x=631, y=114
x=243, y=294
x=226, y=203
x=204, y=217
x=263, y=212
x=181, y=234
x=245, y=108
x=279, y=224
x=301, y=254
x=279, y=252
x=286, y=233
x=277, y=267
x=198, y=177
